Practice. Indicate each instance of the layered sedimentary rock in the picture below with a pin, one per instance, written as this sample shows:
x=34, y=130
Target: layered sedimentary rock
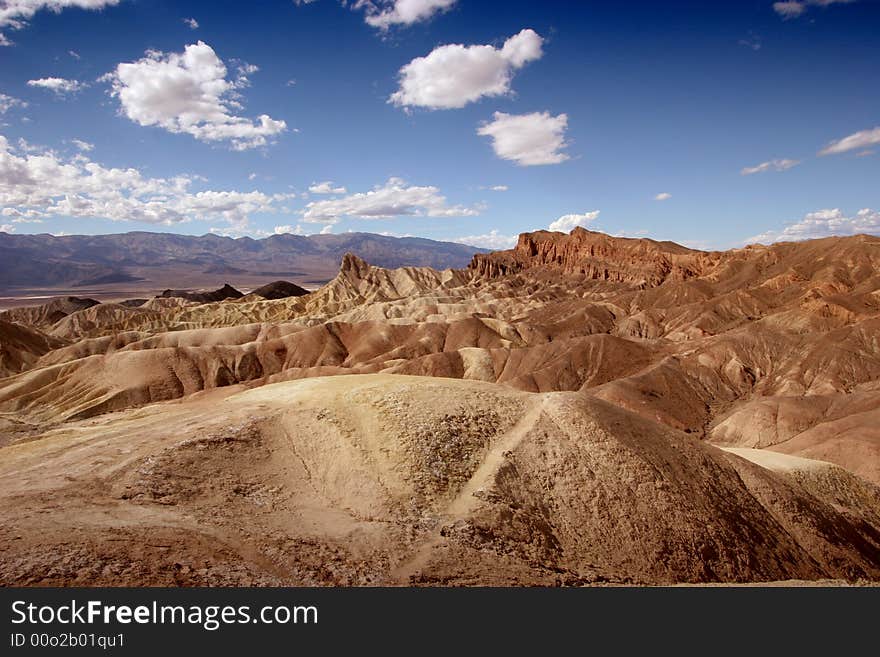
x=597, y=256
x=618, y=403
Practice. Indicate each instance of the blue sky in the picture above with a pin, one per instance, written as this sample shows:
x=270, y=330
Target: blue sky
x=709, y=123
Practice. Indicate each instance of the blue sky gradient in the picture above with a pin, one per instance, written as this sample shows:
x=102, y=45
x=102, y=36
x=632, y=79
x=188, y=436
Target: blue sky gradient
x=661, y=97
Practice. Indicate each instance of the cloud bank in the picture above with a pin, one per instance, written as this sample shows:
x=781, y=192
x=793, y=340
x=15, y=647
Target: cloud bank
x=824, y=223
x=36, y=184
x=15, y=14
x=393, y=199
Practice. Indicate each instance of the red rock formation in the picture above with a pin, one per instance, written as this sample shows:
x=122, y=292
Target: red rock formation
x=596, y=256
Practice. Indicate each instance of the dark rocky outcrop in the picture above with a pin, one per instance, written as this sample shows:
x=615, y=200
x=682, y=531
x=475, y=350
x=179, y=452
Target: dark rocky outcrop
x=280, y=290
x=225, y=292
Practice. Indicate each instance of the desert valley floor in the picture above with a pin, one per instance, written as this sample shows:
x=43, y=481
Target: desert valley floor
x=578, y=410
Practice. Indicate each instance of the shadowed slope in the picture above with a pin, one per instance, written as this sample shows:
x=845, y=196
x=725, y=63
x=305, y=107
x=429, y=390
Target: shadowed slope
x=21, y=347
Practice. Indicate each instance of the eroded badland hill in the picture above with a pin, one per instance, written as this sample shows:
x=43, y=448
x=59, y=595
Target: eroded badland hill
x=580, y=409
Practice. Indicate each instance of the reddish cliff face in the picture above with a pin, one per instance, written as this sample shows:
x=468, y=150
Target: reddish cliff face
x=597, y=256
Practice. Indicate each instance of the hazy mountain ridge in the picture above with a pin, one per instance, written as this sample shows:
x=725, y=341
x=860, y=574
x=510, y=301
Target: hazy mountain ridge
x=28, y=261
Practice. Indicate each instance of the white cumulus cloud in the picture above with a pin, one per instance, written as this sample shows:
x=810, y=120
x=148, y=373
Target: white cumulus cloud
x=393, y=199
x=287, y=229
x=326, y=187
x=60, y=86
x=527, y=139
x=491, y=240
x=9, y=102
x=384, y=14
x=771, y=165
x=189, y=93
x=84, y=146
x=36, y=184
x=855, y=141
x=795, y=8
x=568, y=222
x=663, y=196
x=789, y=9
x=454, y=75
x=15, y=14
x=824, y=223
x=191, y=23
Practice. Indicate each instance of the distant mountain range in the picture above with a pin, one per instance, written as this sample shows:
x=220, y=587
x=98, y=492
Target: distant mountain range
x=168, y=260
